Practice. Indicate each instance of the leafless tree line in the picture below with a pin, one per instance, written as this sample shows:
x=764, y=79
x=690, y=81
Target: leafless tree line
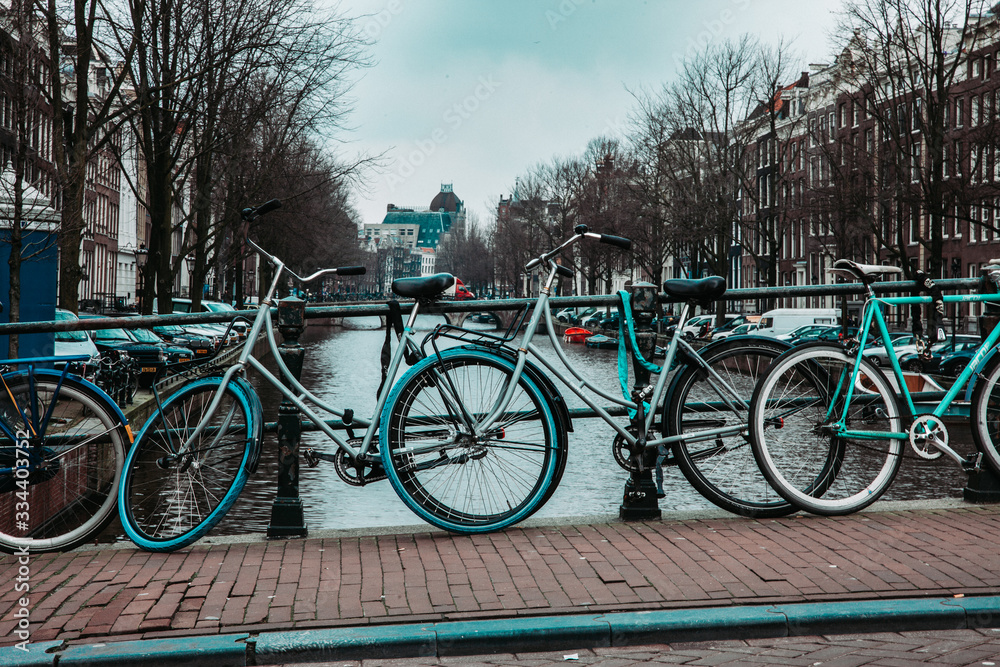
x=705, y=166
x=221, y=104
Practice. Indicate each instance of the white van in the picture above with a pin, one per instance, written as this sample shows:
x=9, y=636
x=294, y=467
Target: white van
x=782, y=320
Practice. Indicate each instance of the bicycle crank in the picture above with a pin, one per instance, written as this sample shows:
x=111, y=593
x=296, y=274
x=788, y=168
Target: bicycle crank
x=929, y=442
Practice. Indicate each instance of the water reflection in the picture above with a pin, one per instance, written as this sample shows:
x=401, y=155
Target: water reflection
x=342, y=366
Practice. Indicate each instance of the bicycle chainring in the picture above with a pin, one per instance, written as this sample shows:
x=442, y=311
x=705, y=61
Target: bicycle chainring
x=365, y=472
x=923, y=437
x=623, y=455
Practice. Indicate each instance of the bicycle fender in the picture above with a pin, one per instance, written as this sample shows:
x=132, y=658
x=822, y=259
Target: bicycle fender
x=76, y=379
x=540, y=379
x=257, y=414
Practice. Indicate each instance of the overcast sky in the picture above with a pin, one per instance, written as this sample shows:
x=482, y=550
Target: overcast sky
x=475, y=92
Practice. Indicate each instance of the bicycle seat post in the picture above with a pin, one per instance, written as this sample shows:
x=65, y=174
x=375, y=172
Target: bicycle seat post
x=640, y=499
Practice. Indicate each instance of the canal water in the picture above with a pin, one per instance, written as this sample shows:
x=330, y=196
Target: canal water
x=342, y=366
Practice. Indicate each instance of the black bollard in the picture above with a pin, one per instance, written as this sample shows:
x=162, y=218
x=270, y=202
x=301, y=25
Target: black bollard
x=286, y=512
x=640, y=500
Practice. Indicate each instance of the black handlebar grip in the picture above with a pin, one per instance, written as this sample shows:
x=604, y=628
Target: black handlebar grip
x=268, y=206
x=564, y=271
x=581, y=229
x=351, y=271
x=619, y=241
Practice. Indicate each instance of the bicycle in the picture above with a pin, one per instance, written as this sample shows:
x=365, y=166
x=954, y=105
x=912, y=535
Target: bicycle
x=62, y=448
x=193, y=455
x=830, y=427
x=428, y=419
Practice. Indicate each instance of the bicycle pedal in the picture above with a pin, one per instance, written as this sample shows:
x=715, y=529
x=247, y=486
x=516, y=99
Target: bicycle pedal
x=309, y=455
x=973, y=464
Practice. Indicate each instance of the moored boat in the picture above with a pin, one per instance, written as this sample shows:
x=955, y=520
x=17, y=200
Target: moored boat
x=576, y=335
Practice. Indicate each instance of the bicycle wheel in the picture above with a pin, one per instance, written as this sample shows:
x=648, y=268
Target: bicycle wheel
x=722, y=467
x=62, y=449
x=170, y=496
x=986, y=413
x=452, y=478
x=793, y=414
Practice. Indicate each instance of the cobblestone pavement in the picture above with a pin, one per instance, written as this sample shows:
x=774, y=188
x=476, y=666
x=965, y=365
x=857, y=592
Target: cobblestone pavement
x=891, y=649
x=118, y=594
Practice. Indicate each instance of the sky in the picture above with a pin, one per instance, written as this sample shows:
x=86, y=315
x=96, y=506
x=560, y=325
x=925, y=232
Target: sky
x=475, y=92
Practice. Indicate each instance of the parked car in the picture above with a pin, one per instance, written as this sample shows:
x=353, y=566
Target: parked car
x=784, y=320
x=804, y=330
x=151, y=357
x=828, y=333
x=954, y=363
x=202, y=346
x=593, y=321
x=902, y=343
x=75, y=343
x=696, y=325
x=932, y=363
x=726, y=329
x=176, y=354
x=609, y=321
x=741, y=330
x=182, y=305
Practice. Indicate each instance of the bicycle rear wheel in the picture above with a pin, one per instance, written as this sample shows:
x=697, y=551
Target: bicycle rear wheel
x=62, y=449
x=171, y=498
x=794, y=414
x=452, y=478
x=722, y=467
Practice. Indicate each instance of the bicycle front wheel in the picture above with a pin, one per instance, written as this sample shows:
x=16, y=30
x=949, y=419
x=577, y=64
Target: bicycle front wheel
x=821, y=454
x=721, y=466
x=452, y=476
x=172, y=495
x=62, y=449
x=986, y=414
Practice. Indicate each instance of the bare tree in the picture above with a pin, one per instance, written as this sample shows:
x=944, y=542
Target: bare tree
x=906, y=56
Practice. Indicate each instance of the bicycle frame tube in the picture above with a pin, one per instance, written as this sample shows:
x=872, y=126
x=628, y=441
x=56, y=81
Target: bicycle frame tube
x=577, y=383
x=294, y=391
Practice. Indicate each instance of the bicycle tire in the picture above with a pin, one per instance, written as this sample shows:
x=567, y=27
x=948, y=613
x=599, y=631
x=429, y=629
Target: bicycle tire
x=985, y=415
x=167, y=503
x=723, y=469
x=70, y=493
x=461, y=483
x=790, y=417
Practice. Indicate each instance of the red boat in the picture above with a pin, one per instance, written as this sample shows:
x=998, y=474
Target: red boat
x=576, y=335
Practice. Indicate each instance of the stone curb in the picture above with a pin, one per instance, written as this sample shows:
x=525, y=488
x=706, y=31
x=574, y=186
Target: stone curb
x=523, y=634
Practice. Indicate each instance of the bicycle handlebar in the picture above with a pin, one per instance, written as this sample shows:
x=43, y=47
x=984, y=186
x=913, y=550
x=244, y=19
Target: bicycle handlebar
x=579, y=232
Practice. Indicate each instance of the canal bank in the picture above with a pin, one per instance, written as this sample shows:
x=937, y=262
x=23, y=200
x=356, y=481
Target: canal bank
x=346, y=596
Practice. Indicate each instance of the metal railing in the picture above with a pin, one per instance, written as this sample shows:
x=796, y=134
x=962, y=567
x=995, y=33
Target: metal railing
x=471, y=306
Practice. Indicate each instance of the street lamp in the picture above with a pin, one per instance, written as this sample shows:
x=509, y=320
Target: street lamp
x=141, y=255
x=189, y=261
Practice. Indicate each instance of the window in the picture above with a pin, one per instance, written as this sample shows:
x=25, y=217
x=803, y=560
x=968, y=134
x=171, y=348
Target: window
x=958, y=111
x=855, y=113
x=917, y=117
x=914, y=225
x=944, y=160
x=977, y=68
x=973, y=219
x=842, y=115
x=973, y=111
x=830, y=136
x=915, y=164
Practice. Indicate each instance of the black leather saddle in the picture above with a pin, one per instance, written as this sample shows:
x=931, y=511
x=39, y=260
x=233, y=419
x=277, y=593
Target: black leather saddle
x=703, y=291
x=424, y=287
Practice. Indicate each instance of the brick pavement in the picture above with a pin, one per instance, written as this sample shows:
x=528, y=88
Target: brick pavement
x=123, y=593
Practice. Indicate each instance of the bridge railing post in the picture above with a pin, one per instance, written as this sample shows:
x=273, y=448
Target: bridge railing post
x=286, y=512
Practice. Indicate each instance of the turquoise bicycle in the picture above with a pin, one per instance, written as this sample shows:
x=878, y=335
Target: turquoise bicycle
x=829, y=428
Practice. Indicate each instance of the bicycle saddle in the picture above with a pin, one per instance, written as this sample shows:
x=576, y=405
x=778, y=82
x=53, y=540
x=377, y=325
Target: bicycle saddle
x=424, y=287
x=866, y=273
x=704, y=290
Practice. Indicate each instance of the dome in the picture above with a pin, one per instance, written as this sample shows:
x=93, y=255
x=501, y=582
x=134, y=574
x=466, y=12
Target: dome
x=446, y=200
